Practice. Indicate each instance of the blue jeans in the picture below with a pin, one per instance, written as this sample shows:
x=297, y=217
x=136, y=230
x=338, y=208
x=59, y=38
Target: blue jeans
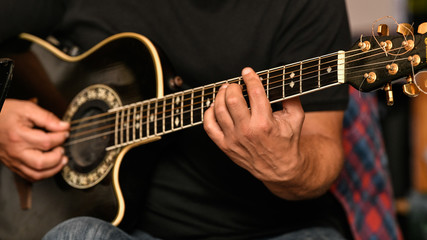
x=95, y=229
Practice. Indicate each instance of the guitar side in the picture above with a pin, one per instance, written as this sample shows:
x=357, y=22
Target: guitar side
x=129, y=64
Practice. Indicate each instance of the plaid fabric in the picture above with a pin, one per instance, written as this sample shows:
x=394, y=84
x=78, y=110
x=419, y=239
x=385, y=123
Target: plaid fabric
x=364, y=187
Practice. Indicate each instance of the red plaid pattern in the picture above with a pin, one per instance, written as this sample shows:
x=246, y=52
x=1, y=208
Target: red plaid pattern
x=364, y=187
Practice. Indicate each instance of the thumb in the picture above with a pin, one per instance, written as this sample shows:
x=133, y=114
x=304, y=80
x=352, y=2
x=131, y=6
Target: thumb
x=45, y=119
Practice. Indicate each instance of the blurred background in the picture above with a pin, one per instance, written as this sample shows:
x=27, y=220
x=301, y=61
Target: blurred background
x=405, y=123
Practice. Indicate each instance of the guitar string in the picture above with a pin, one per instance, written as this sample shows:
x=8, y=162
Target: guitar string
x=129, y=120
x=296, y=76
x=82, y=133
x=104, y=120
x=234, y=80
x=166, y=121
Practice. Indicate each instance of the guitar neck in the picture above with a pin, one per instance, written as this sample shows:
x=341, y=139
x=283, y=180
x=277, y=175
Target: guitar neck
x=159, y=116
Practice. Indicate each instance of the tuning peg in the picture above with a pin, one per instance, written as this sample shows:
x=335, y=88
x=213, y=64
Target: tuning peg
x=405, y=29
x=389, y=94
x=383, y=30
x=410, y=88
x=422, y=28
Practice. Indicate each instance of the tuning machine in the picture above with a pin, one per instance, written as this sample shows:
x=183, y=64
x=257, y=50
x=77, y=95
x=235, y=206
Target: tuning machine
x=410, y=89
x=389, y=94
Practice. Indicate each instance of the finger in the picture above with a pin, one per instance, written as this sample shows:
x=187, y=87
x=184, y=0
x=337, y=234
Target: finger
x=236, y=104
x=42, y=140
x=36, y=175
x=260, y=106
x=222, y=115
x=43, y=161
x=293, y=108
x=45, y=119
x=211, y=126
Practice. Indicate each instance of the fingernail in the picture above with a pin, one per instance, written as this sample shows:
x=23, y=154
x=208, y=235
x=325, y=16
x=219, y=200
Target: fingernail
x=246, y=71
x=64, y=160
x=63, y=124
x=224, y=86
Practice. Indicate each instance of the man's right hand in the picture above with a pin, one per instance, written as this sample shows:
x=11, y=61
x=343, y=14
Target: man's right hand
x=30, y=140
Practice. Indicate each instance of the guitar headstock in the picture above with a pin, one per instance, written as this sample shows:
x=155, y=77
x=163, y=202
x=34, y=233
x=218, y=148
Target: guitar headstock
x=376, y=62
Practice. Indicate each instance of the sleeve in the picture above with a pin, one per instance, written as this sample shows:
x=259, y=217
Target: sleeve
x=312, y=29
x=38, y=17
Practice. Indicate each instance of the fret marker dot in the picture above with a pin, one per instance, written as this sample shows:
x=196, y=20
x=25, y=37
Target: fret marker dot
x=151, y=118
x=292, y=84
x=177, y=111
x=208, y=103
x=292, y=75
x=329, y=69
x=177, y=100
x=176, y=121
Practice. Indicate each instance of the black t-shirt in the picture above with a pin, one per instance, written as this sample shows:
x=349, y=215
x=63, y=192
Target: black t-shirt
x=194, y=191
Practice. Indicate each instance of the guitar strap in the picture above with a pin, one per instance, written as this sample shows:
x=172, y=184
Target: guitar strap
x=6, y=68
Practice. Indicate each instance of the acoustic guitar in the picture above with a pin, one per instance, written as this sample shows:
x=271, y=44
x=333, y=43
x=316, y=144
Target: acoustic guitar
x=117, y=101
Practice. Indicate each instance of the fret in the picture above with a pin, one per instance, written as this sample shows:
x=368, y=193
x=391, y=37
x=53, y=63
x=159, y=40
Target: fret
x=276, y=84
x=158, y=119
x=140, y=117
x=155, y=117
x=164, y=115
x=268, y=84
x=202, y=104
x=290, y=80
x=150, y=118
x=176, y=121
x=329, y=70
x=198, y=104
x=116, y=129
x=168, y=113
x=134, y=126
x=310, y=75
x=173, y=112
x=300, y=77
x=127, y=124
x=192, y=104
x=182, y=109
x=121, y=126
x=145, y=114
x=187, y=109
x=283, y=82
x=318, y=71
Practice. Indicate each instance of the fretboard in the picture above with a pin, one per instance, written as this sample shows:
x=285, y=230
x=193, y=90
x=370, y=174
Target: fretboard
x=159, y=116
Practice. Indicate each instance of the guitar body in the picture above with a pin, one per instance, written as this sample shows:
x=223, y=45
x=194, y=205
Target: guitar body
x=120, y=70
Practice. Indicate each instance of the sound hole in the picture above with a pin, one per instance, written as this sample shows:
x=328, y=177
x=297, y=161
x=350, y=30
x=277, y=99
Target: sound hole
x=89, y=136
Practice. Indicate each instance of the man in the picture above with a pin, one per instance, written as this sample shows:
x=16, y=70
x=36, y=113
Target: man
x=274, y=177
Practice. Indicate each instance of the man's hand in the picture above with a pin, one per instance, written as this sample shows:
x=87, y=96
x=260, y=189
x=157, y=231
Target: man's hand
x=273, y=146
x=30, y=139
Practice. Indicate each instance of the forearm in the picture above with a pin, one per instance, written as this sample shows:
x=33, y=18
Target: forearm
x=322, y=160
x=319, y=158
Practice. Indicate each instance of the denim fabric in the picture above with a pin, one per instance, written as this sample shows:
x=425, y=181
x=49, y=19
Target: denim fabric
x=91, y=228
